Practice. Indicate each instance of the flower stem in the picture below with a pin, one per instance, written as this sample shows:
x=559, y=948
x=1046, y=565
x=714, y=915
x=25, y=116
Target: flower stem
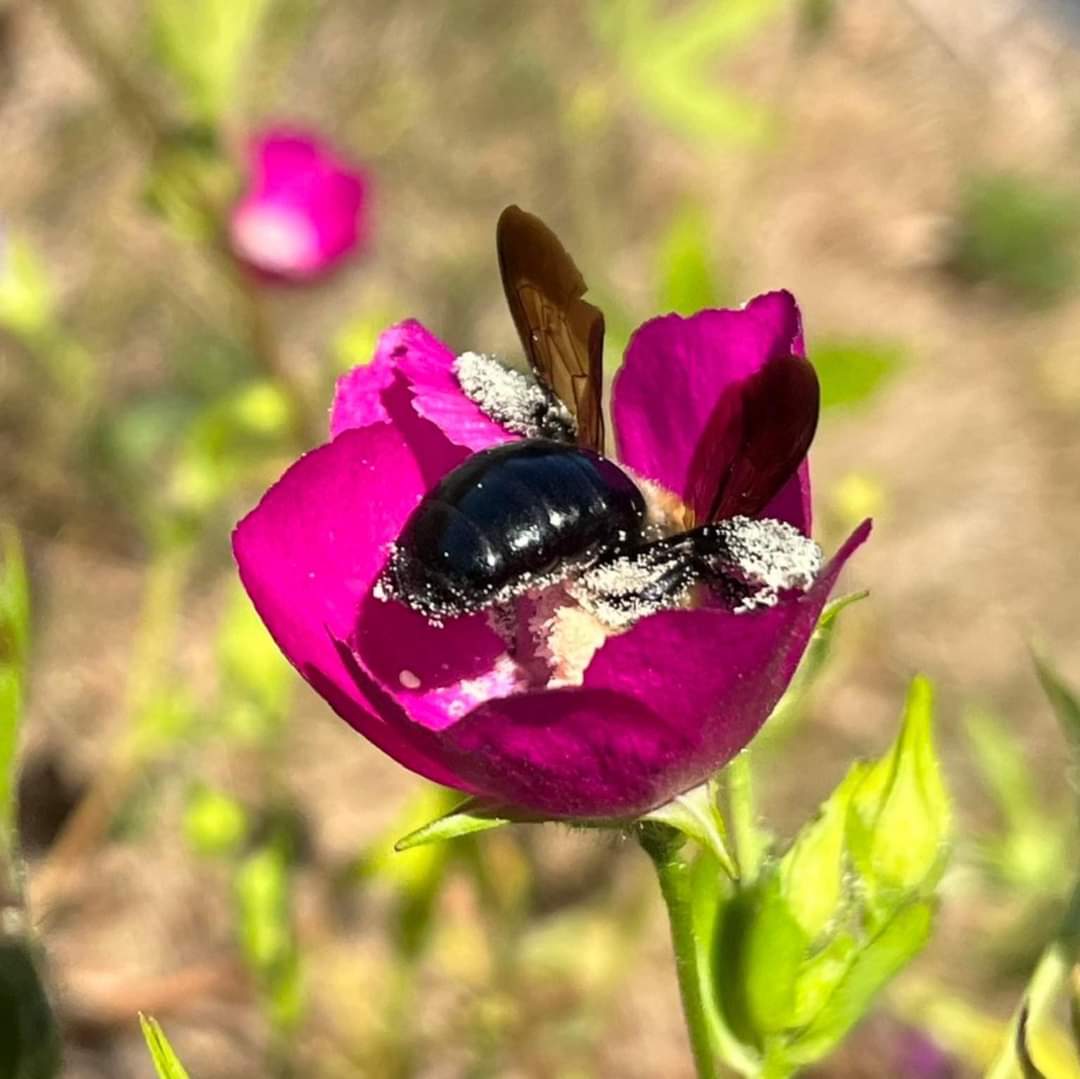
x=663, y=845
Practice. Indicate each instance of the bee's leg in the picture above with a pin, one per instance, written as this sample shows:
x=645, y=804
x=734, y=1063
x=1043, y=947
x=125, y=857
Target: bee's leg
x=626, y=585
x=749, y=562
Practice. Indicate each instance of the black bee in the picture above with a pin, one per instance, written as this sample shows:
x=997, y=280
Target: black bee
x=552, y=508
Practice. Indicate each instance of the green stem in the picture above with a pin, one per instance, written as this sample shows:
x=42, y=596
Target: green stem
x=742, y=807
x=663, y=845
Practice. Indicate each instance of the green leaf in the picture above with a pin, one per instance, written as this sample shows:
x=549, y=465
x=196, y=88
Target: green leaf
x=669, y=57
x=895, y=944
x=189, y=179
x=687, y=275
x=851, y=373
x=1029, y=853
x=899, y=816
x=1062, y=699
x=473, y=815
x=231, y=441
x=205, y=45
x=166, y=1062
x=14, y=644
x=214, y=823
x=1000, y=760
x=773, y=952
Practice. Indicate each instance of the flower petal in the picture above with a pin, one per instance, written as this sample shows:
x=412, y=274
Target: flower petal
x=425, y=364
x=303, y=211
x=309, y=553
x=792, y=503
x=437, y=395
x=436, y=673
x=675, y=374
x=568, y=753
x=662, y=707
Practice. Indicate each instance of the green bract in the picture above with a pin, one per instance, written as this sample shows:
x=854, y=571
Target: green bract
x=799, y=954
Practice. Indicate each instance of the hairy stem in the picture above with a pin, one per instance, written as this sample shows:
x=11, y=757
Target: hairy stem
x=663, y=845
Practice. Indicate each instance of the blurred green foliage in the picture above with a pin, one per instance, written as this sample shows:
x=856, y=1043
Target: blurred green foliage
x=263, y=887
x=1028, y=853
x=853, y=372
x=215, y=824
x=29, y=1041
x=1019, y=234
x=686, y=265
x=29, y=313
x=14, y=644
x=204, y=44
x=668, y=57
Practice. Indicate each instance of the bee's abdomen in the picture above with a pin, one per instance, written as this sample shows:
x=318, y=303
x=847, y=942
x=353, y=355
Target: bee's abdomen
x=507, y=517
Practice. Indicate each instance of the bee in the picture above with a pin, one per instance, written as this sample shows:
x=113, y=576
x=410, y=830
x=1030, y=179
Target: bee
x=551, y=508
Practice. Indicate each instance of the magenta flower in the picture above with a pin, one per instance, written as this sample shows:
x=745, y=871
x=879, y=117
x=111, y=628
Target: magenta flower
x=575, y=724
x=303, y=211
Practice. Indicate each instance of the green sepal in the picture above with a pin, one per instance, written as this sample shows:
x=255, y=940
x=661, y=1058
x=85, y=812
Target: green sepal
x=696, y=814
x=899, y=816
x=473, y=815
x=876, y=963
x=166, y=1062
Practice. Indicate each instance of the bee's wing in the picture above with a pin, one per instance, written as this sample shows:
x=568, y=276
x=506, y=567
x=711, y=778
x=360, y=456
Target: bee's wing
x=756, y=438
x=563, y=336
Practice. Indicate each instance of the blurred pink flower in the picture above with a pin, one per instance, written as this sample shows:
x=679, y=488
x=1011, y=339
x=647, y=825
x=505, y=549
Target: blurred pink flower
x=659, y=707
x=304, y=210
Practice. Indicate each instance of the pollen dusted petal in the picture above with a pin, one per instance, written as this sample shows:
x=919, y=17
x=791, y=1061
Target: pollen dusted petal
x=437, y=395
x=663, y=707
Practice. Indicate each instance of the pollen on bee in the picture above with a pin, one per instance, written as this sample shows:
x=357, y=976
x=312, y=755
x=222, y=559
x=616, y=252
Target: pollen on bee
x=512, y=398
